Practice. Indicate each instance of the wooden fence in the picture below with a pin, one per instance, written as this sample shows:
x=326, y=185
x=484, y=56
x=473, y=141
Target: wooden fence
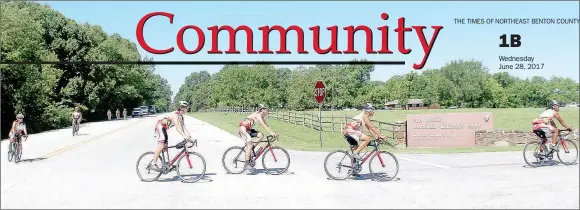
x=333, y=123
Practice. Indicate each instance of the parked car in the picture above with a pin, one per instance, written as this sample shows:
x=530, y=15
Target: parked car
x=152, y=109
x=145, y=110
x=137, y=112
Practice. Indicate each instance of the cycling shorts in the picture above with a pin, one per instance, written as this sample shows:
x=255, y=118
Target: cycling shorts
x=161, y=132
x=253, y=134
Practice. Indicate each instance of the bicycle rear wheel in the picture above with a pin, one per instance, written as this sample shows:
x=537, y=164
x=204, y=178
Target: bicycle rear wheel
x=144, y=171
x=569, y=151
x=340, y=160
x=534, y=154
x=383, y=166
x=277, y=155
x=233, y=160
x=192, y=160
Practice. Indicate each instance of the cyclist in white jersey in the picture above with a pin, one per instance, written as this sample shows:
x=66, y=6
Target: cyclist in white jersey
x=76, y=116
x=354, y=129
x=545, y=124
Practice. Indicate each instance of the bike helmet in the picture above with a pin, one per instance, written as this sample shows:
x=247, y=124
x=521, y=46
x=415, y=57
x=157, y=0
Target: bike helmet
x=553, y=104
x=262, y=107
x=183, y=104
x=19, y=116
x=368, y=107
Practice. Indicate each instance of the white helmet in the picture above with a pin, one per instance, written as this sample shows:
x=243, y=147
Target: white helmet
x=183, y=104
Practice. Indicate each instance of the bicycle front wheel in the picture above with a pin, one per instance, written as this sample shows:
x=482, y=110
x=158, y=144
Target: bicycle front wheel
x=10, y=152
x=383, y=166
x=534, y=154
x=233, y=160
x=144, y=171
x=17, y=153
x=568, y=152
x=278, y=160
x=193, y=162
x=341, y=162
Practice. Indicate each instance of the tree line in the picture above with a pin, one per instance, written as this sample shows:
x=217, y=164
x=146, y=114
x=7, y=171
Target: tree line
x=47, y=94
x=459, y=83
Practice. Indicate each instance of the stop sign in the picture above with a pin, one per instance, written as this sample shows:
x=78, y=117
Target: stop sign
x=319, y=93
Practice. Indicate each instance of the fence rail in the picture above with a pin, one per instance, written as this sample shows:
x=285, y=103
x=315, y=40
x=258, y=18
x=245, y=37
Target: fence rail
x=334, y=123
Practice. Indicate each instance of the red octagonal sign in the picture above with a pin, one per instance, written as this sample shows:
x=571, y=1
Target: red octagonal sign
x=319, y=91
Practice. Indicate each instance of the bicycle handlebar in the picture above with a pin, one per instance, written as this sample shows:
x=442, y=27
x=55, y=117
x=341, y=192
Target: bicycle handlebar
x=270, y=139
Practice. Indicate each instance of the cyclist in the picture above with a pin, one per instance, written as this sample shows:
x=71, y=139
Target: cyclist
x=174, y=119
x=250, y=136
x=354, y=130
x=18, y=128
x=124, y=113
x=109, y=114
x=76, y=116
x=544, y=125
x=118, y=114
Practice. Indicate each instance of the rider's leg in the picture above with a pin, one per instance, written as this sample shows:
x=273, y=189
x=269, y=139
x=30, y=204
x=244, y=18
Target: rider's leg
x=247, y=142
x=161, y=144
x=365, y=142
x=11, y=137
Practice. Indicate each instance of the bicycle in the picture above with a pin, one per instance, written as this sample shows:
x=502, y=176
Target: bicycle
x=15, y=149
x=240, y=155
x=75, y=131
x=170, y=166
x=540, y=155
x=354, y=166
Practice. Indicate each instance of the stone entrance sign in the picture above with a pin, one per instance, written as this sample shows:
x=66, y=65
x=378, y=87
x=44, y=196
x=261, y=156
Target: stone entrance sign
x=446, y=129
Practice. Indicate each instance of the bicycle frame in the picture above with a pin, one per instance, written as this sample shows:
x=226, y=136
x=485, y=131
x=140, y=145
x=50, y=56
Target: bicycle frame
x=269, y=146
x=183, y=152
x=375, y=150
x=560, y=140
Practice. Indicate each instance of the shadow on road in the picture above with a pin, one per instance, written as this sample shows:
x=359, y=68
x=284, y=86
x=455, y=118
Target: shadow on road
x=263, y=171
x=205, y=179
x=32, y=159
x=370, y=177
x=549, y=163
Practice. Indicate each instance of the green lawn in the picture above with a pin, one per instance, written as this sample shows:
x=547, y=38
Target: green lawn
x=297, y=137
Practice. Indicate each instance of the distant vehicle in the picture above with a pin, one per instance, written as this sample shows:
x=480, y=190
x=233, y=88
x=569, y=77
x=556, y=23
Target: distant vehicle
x=452, y=107
x=145, y=110
x=137, y=112
x=572, y=105
x=152, y=109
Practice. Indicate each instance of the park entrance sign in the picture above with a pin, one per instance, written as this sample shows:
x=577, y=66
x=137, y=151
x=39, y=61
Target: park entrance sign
x=446, y=129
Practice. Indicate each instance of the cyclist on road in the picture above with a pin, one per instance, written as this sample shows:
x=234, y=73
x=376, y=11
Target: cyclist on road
x=545, y=124
x=76, y=116
x=109, y=114
x=124, y=113
x=174, y=119
x=354, y=129
x=18, y=128
x=118, y=114
x=250, y=136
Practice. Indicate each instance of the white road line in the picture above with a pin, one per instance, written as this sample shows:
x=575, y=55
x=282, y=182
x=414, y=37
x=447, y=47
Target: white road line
x=426, y=163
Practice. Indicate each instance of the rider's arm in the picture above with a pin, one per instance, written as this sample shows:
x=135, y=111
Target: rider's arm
x=557, y=115
x=371, y=127
x=13, y=126
x=265, y=125
x=180, y=127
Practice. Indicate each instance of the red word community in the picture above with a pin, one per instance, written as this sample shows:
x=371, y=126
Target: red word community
x=283, y=32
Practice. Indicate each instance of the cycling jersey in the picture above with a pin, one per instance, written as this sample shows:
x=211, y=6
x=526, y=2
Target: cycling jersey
x=162, y=126
x=543, y=122
x=248, y=123
x=354, y=127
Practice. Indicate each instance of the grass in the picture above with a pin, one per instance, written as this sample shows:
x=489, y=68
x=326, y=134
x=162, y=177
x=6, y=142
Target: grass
x=297, y=137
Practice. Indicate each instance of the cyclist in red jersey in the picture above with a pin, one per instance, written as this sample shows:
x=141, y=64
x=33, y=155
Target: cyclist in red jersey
x=174, y=119
x=18, y=127
x=250, y=136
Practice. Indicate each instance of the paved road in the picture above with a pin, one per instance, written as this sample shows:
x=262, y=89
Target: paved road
x=97, y=170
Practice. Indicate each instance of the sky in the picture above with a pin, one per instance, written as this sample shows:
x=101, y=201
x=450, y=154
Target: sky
x=554, y=45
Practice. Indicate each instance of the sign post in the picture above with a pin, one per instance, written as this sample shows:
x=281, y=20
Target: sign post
x=320, y=95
